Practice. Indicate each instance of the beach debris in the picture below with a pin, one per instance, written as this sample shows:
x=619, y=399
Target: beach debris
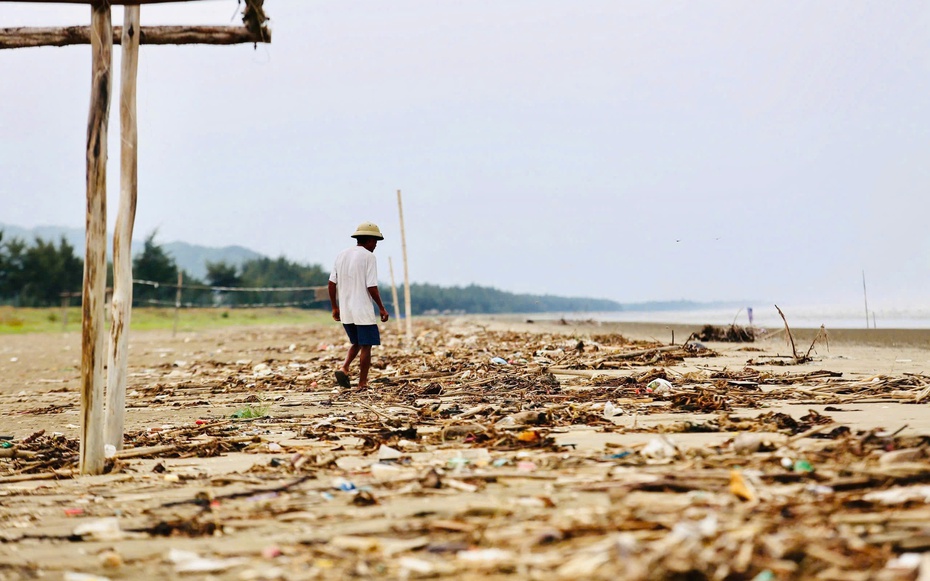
x=104, y=529
x=730, y=334
x=191, y=562
x=582, y=457
x=659, y=386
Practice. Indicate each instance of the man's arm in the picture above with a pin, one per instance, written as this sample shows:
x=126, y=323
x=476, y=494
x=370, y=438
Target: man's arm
x=332, y=300
x=376, y=296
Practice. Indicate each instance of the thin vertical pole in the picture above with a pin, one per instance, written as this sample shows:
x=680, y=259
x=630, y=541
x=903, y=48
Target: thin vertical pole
x=121, y=305
x=403, y=245
x=394, y=297
x=95, y=258
x=866, y=296
x=177, y=303
x=65, y=303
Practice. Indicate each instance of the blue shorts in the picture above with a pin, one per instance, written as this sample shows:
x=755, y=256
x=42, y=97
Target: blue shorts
x=363, y=334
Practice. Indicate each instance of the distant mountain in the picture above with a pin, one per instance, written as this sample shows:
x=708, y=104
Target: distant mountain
x=190, y=257
x=194, y=259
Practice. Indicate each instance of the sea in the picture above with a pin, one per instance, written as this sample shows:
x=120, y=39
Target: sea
x=766, y=316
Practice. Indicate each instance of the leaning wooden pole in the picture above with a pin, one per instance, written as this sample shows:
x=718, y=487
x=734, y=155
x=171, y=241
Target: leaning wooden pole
x=95, y=257
x=403, y=245
x=121, y=305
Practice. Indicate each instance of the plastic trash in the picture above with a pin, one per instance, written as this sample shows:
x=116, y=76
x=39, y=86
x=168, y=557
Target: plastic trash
x=740, y=487
x=190, y=562
x=802, y=466
x=659, y=386
x=104, y=529
x=659, y=449
x=388, y=453
x=619, y=455
x=904, y=562
x=487, y=557
x=343, y=485
x=499, y=361
x=748, y=442
x=610, y=410
x=78, y=576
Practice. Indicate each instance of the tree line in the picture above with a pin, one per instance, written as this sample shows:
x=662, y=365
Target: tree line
x=36, y=274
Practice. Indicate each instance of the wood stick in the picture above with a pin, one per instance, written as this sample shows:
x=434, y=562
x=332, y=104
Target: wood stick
x=788, y=331
x=121, y=304
x=16, y=453
x=95, y=261
x=157, y=450
x=42, y=476
x=811, y=432
x=403, y=246
x=29, y=37
x=591, y=373
x=641, y=352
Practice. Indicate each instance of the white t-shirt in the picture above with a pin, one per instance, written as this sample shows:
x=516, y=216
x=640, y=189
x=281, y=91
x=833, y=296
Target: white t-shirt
x=355, y=270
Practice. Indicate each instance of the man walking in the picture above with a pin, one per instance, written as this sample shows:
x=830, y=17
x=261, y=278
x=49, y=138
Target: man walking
x=353, y=285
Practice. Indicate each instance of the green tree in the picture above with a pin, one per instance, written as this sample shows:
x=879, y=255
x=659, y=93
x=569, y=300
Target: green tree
x=280, y=272
x=156, y=266
x=49, y=271
x=11, y=278
x=223, y=274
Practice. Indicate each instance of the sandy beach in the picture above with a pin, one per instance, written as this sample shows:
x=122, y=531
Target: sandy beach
x=493, y=447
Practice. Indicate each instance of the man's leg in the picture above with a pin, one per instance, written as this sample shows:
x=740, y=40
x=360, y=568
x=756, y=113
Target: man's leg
x=350, y=356
x=364, y=364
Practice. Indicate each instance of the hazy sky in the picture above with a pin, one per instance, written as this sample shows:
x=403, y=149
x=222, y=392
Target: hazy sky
x=627, y=150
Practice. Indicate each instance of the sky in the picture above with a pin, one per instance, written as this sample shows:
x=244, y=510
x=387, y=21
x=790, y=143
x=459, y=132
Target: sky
x=702, y=150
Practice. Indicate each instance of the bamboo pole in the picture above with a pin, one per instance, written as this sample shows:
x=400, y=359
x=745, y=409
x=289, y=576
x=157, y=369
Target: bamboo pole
x=177, y=303
x=394, y=297
x=865, y=296
x=403, y=244
x=121, y=305
x=95, y=258
x=30, y=37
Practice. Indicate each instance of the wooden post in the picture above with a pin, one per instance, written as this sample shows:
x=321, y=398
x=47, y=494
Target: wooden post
x=177, y=303
x=394, y=297
x=121, y=305
x=95, y=257
x=403, y=245
x=865, y=295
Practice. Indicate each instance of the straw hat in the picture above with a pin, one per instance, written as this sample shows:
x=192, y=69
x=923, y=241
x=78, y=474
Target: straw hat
x=368, y=229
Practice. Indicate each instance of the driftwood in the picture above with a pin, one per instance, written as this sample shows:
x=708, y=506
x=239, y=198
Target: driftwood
x=111, y=2
x=95, y=259
x=29, y=37
x=121, y=303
